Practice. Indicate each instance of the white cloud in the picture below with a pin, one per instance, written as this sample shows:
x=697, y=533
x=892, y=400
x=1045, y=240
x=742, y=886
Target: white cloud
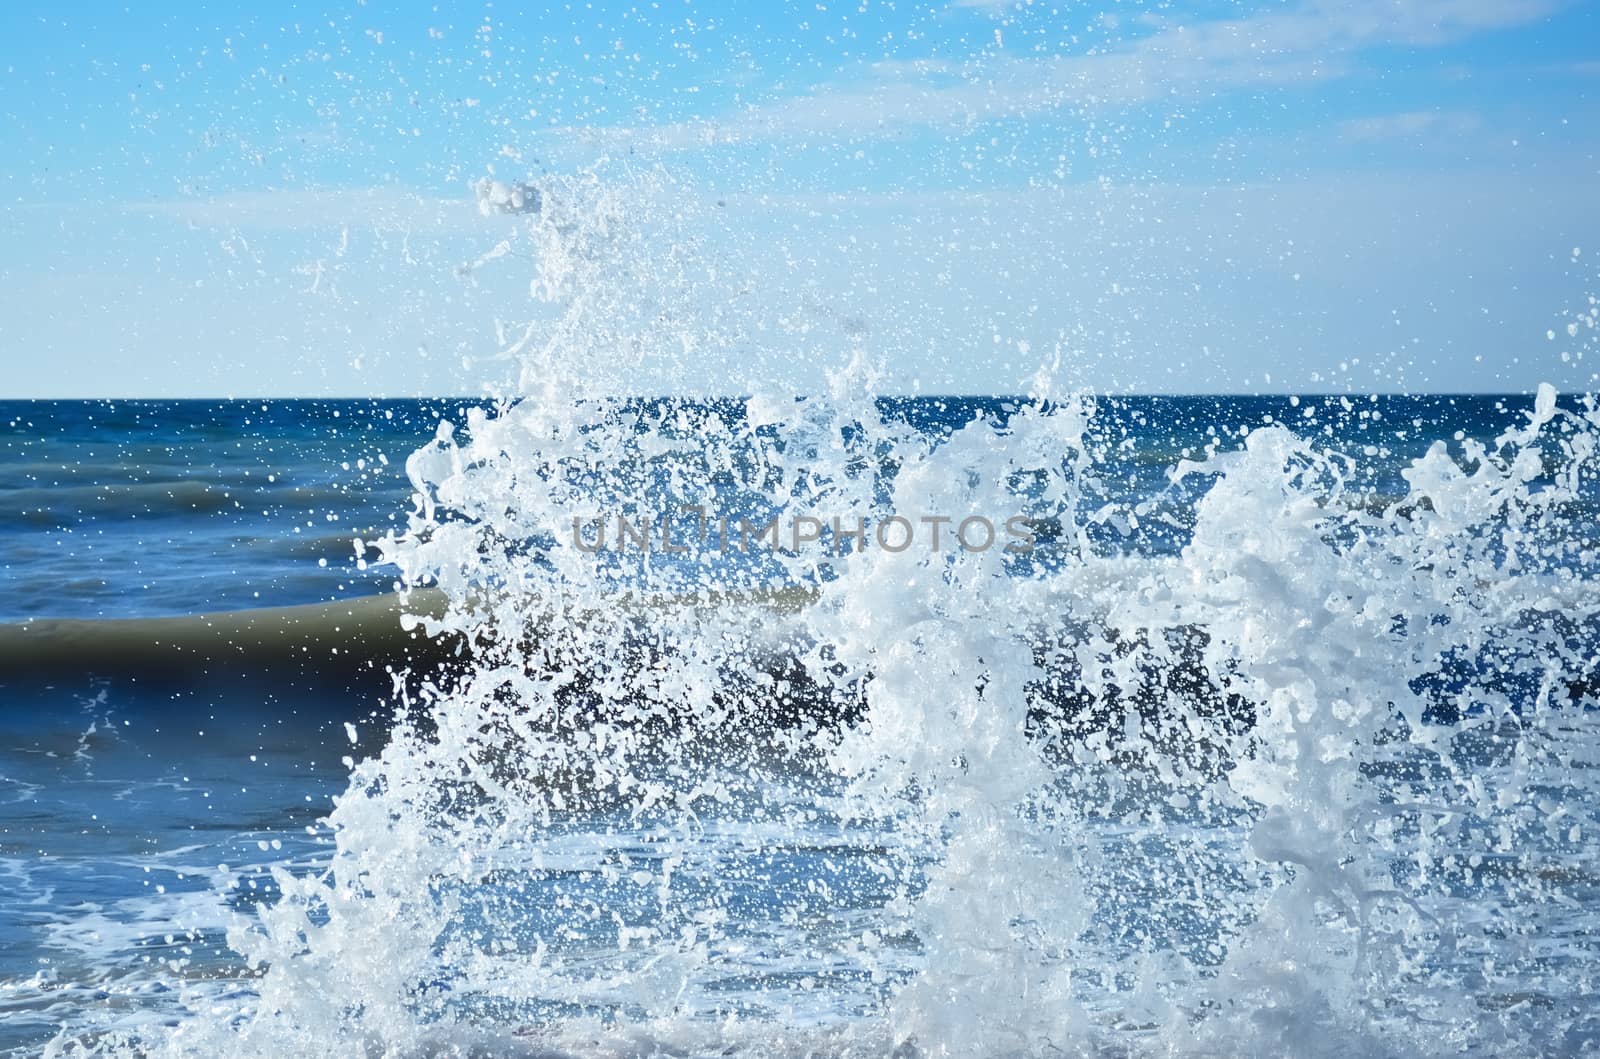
x=1182, y=61
x=391, y=208
x=1411, y=125
x=994, y=7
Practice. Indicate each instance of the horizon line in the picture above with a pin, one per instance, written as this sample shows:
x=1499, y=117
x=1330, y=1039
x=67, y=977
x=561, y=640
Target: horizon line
x=953, y=395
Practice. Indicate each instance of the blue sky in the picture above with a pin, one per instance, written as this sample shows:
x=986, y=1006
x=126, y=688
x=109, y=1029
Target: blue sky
x=201, y=199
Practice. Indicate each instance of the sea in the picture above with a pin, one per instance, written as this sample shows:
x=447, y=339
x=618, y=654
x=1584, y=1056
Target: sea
x=1279, y=738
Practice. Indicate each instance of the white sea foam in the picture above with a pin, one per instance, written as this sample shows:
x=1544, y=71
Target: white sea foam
x=1187, y=806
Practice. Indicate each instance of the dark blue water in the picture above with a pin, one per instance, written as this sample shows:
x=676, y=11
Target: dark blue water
x=135, y=822
x=124, y=508
x=141, y=508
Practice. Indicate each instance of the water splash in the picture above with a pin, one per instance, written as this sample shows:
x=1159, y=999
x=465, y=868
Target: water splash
x=1319, y=781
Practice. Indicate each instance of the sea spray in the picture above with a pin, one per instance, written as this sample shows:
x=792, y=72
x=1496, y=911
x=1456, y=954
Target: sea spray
x=1306, y=784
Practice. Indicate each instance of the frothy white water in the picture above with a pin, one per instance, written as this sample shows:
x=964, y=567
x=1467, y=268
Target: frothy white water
x=954, y=805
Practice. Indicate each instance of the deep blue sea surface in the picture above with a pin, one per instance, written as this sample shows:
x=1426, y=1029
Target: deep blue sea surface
x=128, y=508
x=141, y=508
